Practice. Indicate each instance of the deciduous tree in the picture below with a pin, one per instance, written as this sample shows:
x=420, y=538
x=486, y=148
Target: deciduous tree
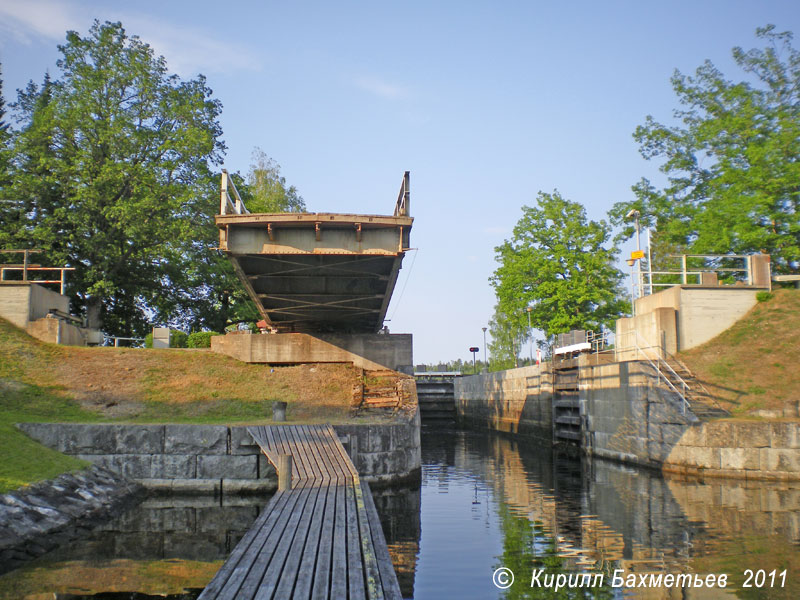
x=732, y=161
x=112, y=169
x=561, y=265
x=267, y=190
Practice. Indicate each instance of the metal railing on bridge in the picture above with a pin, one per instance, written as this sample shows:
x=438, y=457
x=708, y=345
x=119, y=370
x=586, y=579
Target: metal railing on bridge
x=228, y=204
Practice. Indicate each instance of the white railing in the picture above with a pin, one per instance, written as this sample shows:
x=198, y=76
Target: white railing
x=228, y=204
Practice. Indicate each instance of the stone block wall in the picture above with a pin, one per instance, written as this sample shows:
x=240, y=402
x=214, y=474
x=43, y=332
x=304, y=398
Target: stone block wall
x=627, y=416
x=217, y=458
x=516, y=401
x=740, y=449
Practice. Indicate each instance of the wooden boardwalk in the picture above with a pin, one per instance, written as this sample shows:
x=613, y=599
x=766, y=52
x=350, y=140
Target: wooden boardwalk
x=321, y=539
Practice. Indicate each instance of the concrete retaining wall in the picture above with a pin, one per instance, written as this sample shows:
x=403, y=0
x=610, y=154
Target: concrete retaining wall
x=21, y=302
x=626, y=416
x=367, y=351
x=700, y=314
x=219, y=459
x=516, y=401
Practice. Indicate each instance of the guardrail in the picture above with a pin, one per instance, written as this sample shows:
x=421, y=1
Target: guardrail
x=403, y=206
x=228, y=205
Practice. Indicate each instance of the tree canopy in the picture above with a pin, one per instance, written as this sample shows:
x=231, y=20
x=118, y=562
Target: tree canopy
x=267, y=191
x=732, y=161
x=561, y=265
x=111, y=174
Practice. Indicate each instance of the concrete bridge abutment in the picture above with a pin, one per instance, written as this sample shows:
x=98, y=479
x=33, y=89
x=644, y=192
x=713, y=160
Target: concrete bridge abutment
x=369, y=351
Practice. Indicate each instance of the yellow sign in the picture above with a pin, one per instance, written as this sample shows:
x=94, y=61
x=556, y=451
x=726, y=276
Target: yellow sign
x=637, y=254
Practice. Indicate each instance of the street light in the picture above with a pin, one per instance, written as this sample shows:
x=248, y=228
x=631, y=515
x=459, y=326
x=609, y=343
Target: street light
x=530, y=330
x=634, y=214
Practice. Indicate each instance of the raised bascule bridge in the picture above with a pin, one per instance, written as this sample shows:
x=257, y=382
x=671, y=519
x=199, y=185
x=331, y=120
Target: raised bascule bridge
x=322, y=283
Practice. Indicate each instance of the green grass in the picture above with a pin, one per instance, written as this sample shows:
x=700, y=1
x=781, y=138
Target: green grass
x=22, y=460
x=47, y=383
x=755, y=364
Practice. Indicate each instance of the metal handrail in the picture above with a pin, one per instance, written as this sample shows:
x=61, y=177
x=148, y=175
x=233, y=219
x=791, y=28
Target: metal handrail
x=657, y=366
x=403, y=206
x=236, y=205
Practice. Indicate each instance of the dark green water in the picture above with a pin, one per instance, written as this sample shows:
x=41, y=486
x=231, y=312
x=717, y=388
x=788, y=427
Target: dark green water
x=485, y=502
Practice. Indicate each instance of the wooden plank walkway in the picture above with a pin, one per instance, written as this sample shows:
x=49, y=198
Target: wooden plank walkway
x=321, y=539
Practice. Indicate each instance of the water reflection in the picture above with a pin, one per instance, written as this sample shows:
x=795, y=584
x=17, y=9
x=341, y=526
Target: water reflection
x=165, y=547
x=574, y=515
x=484, y=501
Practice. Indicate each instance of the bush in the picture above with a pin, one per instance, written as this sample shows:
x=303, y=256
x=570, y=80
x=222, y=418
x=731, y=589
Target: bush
x=764, y=296
x=177, y=339
x=200, y=339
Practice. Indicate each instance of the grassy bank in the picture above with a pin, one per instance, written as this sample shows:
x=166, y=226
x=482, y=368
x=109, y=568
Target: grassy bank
x=755, y=365
x=45, y=382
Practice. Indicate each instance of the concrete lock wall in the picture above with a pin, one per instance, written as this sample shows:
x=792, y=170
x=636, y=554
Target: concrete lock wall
x=516, y=401
x=628, y=417
x=367, y=351
x=218, y=458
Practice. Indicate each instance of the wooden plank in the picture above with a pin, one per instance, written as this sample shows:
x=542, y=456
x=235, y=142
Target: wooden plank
x=307, y=567
x=322, y=445
x=337, y=456
x=301, y=443
x=322, y=539
x=323, y=567
x=303, y=539
x=372, y=576
x=355, y=566
x=266, y=566
x=389, y=584
x=319, y=434
x=282, y=433
x=229, y=578
x=261, y=550
x=320, y=466
x=339, y=561
x=241, y=549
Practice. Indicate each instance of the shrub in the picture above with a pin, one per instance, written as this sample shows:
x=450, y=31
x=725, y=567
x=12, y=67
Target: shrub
x=177, y=339
x=764, y=296
x=200, y=339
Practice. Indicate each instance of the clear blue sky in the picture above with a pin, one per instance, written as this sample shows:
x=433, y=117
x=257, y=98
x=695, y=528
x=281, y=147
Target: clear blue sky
x=485, y=104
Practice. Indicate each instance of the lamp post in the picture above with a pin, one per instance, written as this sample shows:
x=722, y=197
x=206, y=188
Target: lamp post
x=530, y=330
x=634, y=214
x=485, y=362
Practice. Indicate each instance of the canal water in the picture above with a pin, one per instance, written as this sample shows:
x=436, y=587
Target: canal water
x=485, y=502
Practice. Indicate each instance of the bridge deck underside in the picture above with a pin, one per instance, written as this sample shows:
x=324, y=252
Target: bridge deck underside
x=317, y=273
x=319, y=292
